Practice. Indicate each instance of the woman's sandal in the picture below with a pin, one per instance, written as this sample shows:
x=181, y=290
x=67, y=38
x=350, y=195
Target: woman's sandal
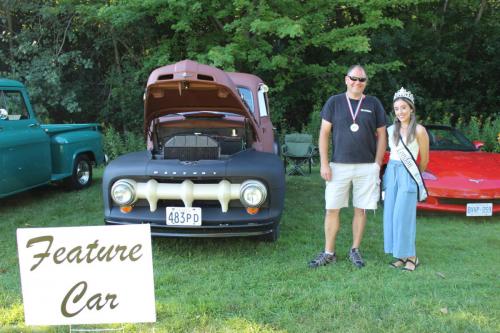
x=398, y=263
x=414, y=263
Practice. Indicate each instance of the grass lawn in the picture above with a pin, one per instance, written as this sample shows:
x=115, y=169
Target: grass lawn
x=242, y=285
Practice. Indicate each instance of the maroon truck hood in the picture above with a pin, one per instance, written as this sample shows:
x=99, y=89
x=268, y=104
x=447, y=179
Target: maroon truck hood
x=189, y=86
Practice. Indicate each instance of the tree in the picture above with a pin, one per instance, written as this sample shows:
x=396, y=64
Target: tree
x=89, y=60
x=447, y=54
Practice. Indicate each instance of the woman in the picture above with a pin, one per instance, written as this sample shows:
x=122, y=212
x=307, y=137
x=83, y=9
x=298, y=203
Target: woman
x=401, y=190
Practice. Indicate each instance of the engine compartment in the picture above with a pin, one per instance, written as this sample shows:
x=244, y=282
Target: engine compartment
x=188, y=141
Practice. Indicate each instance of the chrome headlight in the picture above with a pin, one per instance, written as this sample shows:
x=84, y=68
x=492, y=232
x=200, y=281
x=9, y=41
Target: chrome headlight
x=123, y=192
x=253, y=193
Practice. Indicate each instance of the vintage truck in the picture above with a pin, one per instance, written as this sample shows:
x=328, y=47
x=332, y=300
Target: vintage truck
x=212, y=166
x=32, y=154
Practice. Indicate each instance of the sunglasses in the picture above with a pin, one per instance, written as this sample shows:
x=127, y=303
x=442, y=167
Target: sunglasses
x=355, y=78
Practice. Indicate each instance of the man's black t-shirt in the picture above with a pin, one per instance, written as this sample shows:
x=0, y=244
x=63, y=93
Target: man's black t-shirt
x=348, y=146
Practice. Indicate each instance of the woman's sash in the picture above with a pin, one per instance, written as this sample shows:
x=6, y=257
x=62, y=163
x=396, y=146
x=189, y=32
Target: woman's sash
x=411, y=166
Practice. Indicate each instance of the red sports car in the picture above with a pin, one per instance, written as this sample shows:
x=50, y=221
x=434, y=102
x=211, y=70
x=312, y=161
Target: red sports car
x=460, y=178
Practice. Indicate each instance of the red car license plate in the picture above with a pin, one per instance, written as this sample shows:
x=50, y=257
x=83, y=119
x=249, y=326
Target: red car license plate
x=479, y=209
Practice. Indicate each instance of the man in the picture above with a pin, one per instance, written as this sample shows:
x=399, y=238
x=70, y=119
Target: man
x=357, y=123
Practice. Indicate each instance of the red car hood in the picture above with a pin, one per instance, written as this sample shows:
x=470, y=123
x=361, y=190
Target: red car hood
x=464, y=174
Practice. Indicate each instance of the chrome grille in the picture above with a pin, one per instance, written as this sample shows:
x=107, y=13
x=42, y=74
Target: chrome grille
x=191, y=148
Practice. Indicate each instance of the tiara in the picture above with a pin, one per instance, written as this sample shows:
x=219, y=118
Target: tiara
x=405, y=94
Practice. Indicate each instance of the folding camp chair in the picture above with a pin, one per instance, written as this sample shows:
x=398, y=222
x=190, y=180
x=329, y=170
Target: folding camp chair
x=299, y=150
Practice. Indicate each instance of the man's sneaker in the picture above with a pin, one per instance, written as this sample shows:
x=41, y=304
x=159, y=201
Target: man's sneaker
x=355, y=257
x=322, y=259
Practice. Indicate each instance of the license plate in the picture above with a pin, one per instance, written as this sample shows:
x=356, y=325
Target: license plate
x=479, y=209
x=184, y=216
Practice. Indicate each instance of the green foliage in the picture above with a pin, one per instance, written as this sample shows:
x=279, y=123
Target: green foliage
x=447, y=51
x=491, y=135
x=116, y=144
x=284, y=42
x=486, y=130
x=42, y=57
x=314, y=124
x=473, y=128
x=89, y=60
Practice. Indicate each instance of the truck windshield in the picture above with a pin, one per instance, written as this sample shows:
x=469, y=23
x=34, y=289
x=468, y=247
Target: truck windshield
x=246, y=94
x=12, y=103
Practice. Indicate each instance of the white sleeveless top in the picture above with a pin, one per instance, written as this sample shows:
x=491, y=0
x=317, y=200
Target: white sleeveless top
x=412, y=146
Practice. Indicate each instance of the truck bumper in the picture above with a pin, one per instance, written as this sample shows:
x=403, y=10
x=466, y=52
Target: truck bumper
x=212, y=231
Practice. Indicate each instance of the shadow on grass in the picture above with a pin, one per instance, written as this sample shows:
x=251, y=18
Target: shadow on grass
x=45, y=192
x=187, y=247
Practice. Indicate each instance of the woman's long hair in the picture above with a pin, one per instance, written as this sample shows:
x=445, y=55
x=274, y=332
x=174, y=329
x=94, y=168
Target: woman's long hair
x=412, y=127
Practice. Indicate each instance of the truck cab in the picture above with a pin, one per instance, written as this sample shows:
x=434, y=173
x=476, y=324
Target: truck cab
x=32, y=154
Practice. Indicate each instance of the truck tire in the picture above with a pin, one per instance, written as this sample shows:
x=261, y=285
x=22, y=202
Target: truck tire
x=81, y=176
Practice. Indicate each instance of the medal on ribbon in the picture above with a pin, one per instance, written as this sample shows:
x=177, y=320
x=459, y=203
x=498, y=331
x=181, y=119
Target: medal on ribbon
x=354, y=127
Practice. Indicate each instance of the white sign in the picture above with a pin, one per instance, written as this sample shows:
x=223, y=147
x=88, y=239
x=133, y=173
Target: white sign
x=87, y=275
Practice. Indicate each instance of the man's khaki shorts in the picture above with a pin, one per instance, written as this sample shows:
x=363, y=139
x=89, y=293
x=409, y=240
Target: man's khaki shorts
x=365, y=181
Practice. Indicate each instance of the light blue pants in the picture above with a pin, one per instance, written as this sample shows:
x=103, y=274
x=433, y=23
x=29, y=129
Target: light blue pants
x=400, y=211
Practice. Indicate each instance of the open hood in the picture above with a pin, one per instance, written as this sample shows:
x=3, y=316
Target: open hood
x=188, y=86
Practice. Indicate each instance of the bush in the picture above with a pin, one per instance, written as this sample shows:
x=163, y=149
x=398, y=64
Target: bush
x=490, y=134
x=314, y=124
x=486, y=130
x=116, y=143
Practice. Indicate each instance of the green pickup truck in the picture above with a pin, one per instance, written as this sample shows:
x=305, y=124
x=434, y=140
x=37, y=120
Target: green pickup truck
x=32, y=154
